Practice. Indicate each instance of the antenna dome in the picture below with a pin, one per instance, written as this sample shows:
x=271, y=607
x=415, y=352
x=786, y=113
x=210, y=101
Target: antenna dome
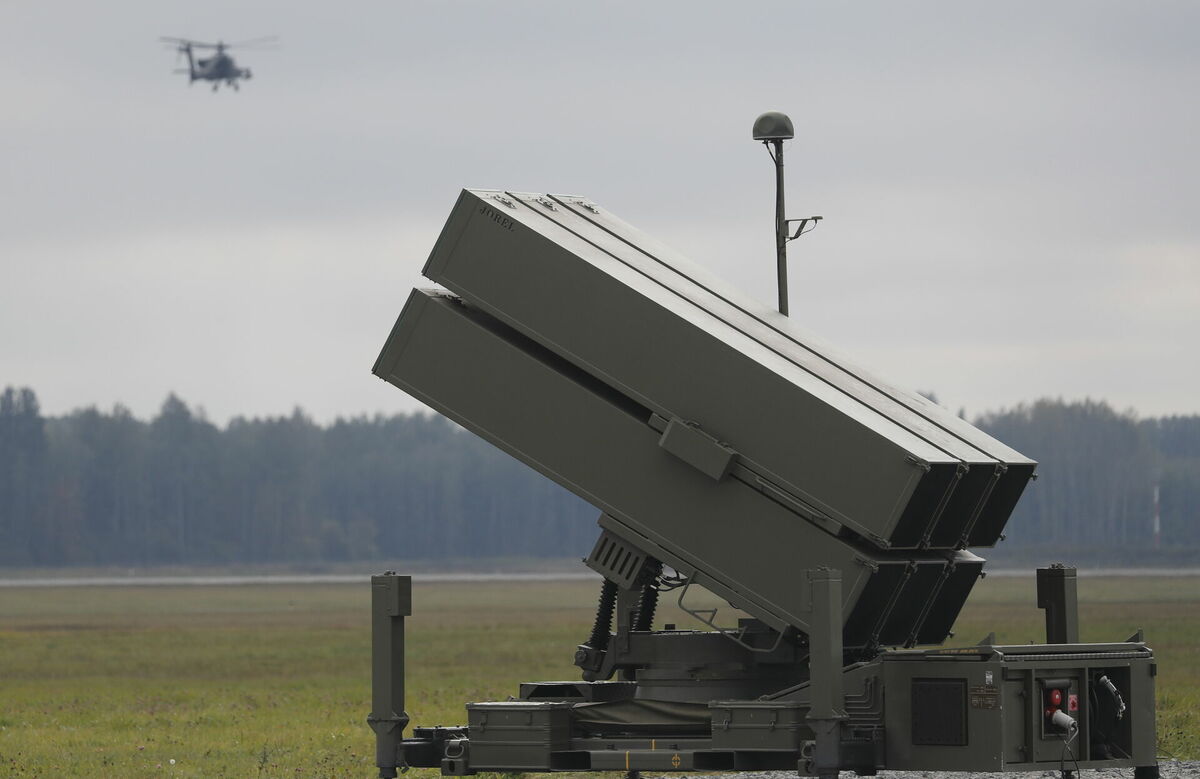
x=773, y=126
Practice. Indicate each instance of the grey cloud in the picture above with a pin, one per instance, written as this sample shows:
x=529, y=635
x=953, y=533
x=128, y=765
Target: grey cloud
x=1008, y=188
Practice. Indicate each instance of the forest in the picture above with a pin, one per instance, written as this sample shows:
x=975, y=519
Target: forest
x=99, y=488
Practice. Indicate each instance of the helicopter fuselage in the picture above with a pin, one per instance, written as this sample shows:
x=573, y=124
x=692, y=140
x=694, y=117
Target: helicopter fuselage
x=217, y=68
x=220, y=67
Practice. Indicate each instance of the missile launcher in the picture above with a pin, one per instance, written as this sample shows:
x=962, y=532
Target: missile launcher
x=728, y=449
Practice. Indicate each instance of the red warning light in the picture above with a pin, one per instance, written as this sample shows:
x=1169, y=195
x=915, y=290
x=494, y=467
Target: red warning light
x=1055, y=697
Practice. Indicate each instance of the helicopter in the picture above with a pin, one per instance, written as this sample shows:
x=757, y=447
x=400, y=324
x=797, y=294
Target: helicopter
x=218, y=68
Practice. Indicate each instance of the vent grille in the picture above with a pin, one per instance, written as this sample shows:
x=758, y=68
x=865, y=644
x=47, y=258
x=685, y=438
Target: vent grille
x=620, y=562
x=939, y=712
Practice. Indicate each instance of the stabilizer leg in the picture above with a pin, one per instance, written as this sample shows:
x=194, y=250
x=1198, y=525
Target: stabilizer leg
x=391, y=602
x=825, y=662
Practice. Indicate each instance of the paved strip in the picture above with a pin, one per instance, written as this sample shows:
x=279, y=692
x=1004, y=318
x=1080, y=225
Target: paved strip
x=1169, y=769
x=1084, y=571
x=226, y=581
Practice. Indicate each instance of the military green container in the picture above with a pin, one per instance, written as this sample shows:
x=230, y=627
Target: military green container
x=518, y=735
x=759, y=726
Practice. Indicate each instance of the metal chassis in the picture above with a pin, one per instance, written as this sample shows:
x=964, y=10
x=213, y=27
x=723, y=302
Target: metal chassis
x=835, y=722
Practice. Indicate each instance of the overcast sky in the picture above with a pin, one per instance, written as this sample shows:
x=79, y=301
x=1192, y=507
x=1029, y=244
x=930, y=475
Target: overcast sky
x=1011, y=191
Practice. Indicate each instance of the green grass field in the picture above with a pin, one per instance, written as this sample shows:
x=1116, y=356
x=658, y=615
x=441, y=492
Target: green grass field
x=273, y=681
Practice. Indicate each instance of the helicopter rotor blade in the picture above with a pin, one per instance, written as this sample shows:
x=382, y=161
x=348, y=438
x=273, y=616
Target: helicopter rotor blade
x=182, y=42
x=268, y=39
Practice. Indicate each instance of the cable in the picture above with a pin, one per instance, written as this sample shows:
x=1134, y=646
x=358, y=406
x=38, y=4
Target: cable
x=1066, y=750
x=1117, y=747
x=1072, y=730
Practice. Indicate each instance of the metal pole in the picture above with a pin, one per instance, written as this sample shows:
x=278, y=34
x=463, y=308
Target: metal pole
x=391, y=602
x=827, y=707
x=780, y=229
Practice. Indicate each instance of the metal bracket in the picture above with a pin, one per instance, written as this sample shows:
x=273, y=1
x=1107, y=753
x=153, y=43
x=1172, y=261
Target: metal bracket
x=869, y=564
x=690, y=443
x=782, y=496
x=708, y=617
x=914, y=460
x=803, y=224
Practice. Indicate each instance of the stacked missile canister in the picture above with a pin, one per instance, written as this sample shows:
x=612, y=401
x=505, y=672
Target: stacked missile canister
x=728, y=442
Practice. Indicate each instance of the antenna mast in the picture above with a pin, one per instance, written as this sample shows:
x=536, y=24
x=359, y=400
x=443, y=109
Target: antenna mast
x=773, y=128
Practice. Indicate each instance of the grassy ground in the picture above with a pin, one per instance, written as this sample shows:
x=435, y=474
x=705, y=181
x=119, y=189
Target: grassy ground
x=274, y=680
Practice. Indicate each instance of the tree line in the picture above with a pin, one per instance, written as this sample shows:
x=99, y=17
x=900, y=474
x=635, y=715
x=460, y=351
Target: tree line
x=101, y=488
x=106, y=488
x=1099, y=471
